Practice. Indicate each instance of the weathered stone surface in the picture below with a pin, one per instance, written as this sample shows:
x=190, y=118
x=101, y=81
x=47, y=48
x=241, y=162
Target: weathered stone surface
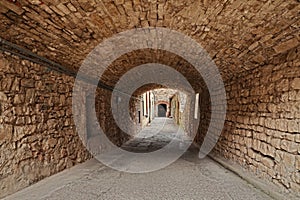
x=30, y=96
x=27, y=82
x=268, y=162
x=24, y=111
x=286, y=45
x=295, y=84
x=289, y=160
x=289, y=146
x=275, y=142
x=298, y=162
x=75, y=28
x=293, y=126
x=272, y=107
x=3, y=96
x=52, y=142
x=63, y=8
x=11, y=6
x=6, y=132
x=19, y=99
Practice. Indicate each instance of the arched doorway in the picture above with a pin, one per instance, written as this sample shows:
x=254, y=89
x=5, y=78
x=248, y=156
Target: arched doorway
x=162, y=110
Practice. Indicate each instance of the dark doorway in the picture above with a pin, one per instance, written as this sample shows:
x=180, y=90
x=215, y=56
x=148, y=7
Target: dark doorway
x=162, y=110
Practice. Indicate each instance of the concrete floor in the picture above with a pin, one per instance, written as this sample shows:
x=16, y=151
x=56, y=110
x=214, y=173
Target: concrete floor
x=187, y=178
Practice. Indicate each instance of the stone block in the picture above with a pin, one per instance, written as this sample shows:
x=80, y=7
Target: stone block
x=16, y=85
x=263, y=148
x=289, y=146
x=12, y=6
x=6, y=83
x=119, y=2
x=251, y=153
x=71, y=7
x=35, y=2
x=293, y=126
x=284, y=46
x=270, y=151
x=30, y=96
x=256, y=144
x=262, y=136
x=297, y=178
x=282, y=85
x=27, y=83
x=3, y=97
x=289, y=136
x=262, y=107
x=271, y=172
x=63, y=8
x=288, y=159
x=19, y=99
x=259, y=59
x=23, y=152
x=295, y=83
x=297, y=138
x=271, y=107
x=298, y=162
x=58, y=11
x=22, y=131
x=269, y=163
x=275, y=142
x=270, y=123
x=6, y=132
x=253, y=46
x=278, y=156
x=248, y=142
x=281, y=125
x=294, y=95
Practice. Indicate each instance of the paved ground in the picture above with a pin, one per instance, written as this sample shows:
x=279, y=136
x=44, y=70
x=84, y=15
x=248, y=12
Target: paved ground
x=187, y=178
x=157, y=135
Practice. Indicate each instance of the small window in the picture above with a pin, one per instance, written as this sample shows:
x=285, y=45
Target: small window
x=196, y=106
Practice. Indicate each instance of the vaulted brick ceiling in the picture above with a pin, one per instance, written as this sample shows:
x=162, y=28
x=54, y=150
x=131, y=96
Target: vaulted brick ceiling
x=238, y=34
x=144, y=56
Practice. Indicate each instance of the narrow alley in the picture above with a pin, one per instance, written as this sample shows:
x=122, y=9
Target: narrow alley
x=149, y=99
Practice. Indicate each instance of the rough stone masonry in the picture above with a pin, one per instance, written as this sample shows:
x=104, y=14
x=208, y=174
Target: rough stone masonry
x=255, y=45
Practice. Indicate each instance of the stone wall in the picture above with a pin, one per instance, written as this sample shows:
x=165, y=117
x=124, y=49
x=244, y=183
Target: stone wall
x=262, y=129
x=179, y=105
x=182, y=112
x=37, y=131
x=175, y=114
x=204, y=116
x=106, y=119
x=163, y=96
x=37, y=134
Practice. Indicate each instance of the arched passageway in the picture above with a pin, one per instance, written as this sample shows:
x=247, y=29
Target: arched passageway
x=254, y=44
x=162, y=110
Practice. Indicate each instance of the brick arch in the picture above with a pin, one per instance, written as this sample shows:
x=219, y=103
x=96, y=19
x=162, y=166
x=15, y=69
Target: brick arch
x=143, y=56
x=162, y=102
x=70, y=40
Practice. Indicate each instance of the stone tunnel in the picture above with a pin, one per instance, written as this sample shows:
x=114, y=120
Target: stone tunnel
x=254, y=45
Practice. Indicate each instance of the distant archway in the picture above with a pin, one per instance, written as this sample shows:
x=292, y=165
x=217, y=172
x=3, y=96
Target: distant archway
x=162, y=110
